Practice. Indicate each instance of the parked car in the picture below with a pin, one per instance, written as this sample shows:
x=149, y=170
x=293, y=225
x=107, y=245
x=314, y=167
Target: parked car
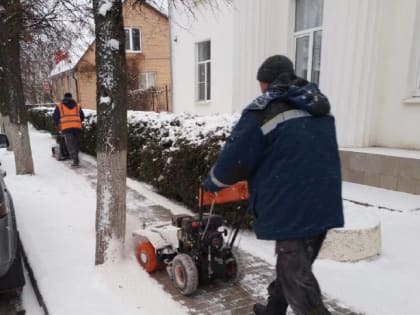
x=11, y=270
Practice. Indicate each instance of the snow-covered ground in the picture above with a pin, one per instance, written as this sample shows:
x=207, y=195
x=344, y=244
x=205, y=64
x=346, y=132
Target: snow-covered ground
x=56, y=217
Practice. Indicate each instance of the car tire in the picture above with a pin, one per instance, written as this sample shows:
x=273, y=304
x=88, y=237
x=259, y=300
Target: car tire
x=14, y=279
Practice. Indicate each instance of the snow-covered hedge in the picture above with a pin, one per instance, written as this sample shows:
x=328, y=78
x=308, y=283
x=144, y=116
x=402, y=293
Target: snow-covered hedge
x=172, y=152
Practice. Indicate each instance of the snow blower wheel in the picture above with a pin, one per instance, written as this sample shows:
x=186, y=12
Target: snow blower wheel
x=232, y=268
x=185, y=274
x=146, y=256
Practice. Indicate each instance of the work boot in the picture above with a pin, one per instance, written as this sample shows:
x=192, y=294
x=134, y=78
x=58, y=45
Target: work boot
x=75, y=162
x=270, y=309
x=259, y=309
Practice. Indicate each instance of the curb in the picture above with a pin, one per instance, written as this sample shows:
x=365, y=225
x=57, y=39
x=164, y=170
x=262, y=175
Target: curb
x=32, y=278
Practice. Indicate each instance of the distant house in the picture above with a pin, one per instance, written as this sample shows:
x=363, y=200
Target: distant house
x=365, y=55
x=147, y=51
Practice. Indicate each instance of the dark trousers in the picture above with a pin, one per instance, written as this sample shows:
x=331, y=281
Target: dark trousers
x=72, y=143
x=295, y=284
x=64, y=153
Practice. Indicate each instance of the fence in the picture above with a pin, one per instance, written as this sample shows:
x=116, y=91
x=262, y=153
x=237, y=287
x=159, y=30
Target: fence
x=153, y=99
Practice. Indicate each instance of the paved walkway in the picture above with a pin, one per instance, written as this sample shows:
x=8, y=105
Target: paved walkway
x=218, y=298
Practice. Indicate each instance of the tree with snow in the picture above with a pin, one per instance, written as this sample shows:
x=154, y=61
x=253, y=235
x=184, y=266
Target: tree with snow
x=12, y=101
x=111, y=94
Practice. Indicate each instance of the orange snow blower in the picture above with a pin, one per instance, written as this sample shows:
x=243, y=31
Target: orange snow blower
x=194, y=248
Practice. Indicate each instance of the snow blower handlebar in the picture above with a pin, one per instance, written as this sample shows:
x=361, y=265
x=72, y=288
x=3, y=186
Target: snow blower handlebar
x=236, y=192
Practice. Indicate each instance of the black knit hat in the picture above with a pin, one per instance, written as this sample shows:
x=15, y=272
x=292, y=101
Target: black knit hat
x=68, y=95
x=273, y=66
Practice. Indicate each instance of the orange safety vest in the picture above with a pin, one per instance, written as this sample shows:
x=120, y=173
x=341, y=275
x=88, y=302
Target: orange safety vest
x=69, y=118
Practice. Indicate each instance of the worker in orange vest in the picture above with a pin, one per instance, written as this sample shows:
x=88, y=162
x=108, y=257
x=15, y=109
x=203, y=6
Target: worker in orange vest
x=68, y=116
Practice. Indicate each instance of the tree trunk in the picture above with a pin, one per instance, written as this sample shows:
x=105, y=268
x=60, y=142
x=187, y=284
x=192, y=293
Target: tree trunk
x=111, y=100
x=11, y=94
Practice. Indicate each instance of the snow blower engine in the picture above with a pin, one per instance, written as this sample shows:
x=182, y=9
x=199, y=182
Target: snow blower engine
x=195, y=249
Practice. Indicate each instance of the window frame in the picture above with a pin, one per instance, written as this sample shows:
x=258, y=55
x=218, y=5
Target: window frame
x=130, y=30
x=207, y=81
x=302, y=33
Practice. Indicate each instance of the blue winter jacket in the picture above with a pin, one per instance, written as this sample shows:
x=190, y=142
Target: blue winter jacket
x=285, y=145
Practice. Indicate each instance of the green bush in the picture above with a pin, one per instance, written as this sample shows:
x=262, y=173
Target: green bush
x=41, y=118
x=172, y=152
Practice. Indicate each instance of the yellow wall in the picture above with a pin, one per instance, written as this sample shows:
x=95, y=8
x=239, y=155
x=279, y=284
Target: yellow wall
x=154, y=57
x=63, y=83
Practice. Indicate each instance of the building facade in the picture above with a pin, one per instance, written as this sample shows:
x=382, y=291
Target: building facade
x=365, y=55
x=147, y=52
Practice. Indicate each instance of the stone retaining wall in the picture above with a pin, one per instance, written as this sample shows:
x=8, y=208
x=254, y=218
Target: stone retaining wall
x=384, y=171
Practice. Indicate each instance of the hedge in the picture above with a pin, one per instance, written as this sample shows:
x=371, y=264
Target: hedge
x=171, y=152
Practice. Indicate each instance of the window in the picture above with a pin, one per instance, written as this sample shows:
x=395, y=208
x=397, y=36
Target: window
x=308, y=38
x=147, y=80
x=132, y=39
x=203, y=71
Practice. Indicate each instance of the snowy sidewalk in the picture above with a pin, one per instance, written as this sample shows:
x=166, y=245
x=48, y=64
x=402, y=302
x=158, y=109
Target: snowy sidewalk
x=145, y=206
x=381, y=198
x=56, y=217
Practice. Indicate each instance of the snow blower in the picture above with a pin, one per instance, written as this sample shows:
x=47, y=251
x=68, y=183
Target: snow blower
x=59, y=151
x=195, y=249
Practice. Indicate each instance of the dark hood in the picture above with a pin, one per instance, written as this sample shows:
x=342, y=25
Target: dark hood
x=69, y=102
x=297, y=92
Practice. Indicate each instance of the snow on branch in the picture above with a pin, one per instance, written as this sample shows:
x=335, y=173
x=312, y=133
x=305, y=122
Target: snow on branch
x=105, y=6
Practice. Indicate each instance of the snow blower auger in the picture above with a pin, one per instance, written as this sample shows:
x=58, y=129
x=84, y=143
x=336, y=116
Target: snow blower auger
x=195, y=249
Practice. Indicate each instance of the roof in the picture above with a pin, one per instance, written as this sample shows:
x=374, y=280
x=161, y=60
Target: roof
x=76, y=52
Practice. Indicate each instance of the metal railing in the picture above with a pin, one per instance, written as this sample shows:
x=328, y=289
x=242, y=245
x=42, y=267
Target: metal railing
x=153, y=99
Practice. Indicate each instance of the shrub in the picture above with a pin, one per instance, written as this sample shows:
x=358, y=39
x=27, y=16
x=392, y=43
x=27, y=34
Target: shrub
x=172, y=152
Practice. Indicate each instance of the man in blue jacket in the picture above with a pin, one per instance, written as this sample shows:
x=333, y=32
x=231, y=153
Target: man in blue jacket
x=285, y=145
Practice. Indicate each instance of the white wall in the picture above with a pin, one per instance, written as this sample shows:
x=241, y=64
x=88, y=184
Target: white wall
x=348, y=65
x=216, y=26
x=261, y=29
x=368, y=70
x=370, y=51
x=242, y=35
x=397, y=118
